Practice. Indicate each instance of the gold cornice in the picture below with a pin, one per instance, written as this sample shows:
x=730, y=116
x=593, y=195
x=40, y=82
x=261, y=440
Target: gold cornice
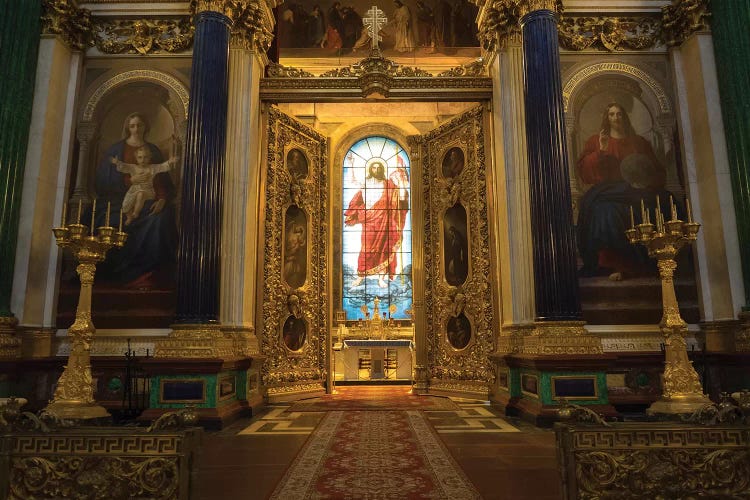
x=528, y=6
x=64, y=19
x=683, y=18
x=378, y=76
x=499, y=22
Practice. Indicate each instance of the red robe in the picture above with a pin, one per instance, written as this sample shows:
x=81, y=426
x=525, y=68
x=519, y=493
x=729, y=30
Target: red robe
x=382, y=230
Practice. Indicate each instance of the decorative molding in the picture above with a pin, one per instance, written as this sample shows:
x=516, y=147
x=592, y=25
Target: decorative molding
x=472, y=69
x=597, y=69
x=142, y=36
x=195, y=341
x=561, y=337
x=10, y=344
x=64, y=19
x=375, y=64
x=378, y=76
x=609, y=33
x=683, y=18
x=137, y=75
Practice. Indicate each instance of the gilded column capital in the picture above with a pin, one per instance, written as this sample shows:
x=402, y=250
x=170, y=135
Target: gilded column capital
x=63, y=18
x=683, y=18
x=529, y=6
x=253, y=28
x=500, y=22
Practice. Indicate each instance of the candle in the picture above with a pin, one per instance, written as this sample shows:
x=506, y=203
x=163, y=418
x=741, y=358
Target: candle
x=65, y=212
x=106, y=220
x=632, y=218
x=673, y=206
x=658, y=209
x=689, y=211
x=643, y=212
x=78, y=217
x=93, y=211
x=120, y=229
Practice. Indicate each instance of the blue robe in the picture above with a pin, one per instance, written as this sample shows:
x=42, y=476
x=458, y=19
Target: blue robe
x=151, y=246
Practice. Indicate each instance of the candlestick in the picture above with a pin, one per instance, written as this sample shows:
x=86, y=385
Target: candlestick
x=120, y=228
x=632, y=218
x=65, y=212
x=689, y=211
x=78, y=217
x=93, y=211
x=106, y=219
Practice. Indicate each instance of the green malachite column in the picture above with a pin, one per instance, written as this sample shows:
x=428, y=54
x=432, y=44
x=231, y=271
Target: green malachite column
x=729, y=24
x=19, y=43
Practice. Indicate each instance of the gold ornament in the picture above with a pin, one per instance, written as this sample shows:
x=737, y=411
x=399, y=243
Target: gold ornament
x=73, y=25
x=683, y=18
x=143, y=36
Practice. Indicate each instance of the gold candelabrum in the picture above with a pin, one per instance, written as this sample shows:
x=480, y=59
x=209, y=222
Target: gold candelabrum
x=74, y=394
x=683, y=392
x=375, y=327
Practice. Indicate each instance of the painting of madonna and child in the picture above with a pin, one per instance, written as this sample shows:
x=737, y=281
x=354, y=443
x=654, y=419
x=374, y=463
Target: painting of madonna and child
x=621, y=161
x=413, y=28
x=376, y=221
x=135, y=170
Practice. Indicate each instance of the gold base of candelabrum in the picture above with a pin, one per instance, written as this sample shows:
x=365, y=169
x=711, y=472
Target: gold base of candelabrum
x=74, y=394
x=683, y=392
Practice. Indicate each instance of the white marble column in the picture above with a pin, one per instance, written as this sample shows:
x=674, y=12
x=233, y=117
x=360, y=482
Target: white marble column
x=512, y=216
x=45, y=186
x=703, y=143
x=240, y=238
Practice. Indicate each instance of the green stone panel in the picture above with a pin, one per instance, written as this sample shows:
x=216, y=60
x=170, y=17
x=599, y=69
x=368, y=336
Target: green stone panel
x=210, y=381
x=515, y=382
x=729, y=23
x=545, y=391
x=242, y=385
x=19, y=45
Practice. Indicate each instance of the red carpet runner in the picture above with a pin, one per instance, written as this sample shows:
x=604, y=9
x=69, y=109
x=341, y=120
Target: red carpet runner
x=374, y=398
x=374, y=454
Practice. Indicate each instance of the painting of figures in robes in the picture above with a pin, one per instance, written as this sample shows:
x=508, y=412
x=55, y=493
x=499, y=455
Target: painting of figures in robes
x=622, y=159
x=376, y=246
x=134, y=170
x=415, y=27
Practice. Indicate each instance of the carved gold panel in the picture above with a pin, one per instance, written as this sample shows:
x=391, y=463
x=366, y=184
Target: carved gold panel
x=295, y=303
x=454, y=174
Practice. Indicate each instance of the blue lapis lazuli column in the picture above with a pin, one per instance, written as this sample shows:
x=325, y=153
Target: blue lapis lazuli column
x=555, y=275
x=198, y=257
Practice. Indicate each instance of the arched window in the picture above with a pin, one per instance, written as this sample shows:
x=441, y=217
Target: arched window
x=376, y=246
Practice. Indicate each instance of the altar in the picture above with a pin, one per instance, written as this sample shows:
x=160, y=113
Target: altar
x=373, y=359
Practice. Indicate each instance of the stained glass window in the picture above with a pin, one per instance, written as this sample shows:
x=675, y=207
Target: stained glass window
x=376, y=245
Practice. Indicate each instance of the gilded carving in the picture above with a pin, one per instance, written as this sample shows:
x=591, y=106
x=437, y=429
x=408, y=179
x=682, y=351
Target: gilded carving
x=609, y=33
x=561, y=337
x=466, y=370
x=683, y=18
x=376, y=63
x=10, y=344
x=303, y=370
x=253, y=27
x=196, y=341
x=142, y=36
x=63, y=18
x=633, y=461
x=475, y=68
x=276, y=70
x=500, y=23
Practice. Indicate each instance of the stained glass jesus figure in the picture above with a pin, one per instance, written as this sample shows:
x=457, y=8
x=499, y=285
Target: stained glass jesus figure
x=381, y=206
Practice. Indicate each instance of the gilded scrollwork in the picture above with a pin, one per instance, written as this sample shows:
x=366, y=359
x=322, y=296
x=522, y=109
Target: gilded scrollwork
x=683, y=18
x=73, y=25
x=468, y=369
x=276, y=70
x=474, y=68
x=375, y=63
x=142, y=36
x=284, y=371
x=609, y=33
